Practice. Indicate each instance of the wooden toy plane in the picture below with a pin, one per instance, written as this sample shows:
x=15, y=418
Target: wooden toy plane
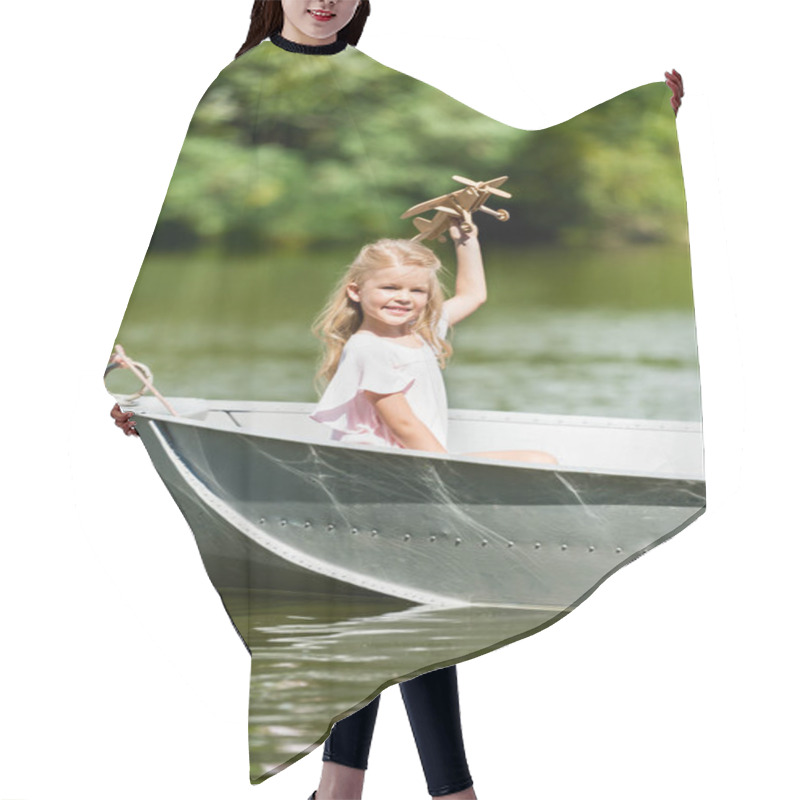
x=457, y=205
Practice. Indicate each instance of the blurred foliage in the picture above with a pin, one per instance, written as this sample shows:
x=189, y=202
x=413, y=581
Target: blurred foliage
x=294, y=152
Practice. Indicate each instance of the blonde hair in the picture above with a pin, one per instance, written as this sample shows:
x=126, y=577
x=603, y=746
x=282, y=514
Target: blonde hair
x=342, y=316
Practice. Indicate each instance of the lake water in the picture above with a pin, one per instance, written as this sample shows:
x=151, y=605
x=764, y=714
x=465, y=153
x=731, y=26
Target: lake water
x=606, y=333
x=313, y=661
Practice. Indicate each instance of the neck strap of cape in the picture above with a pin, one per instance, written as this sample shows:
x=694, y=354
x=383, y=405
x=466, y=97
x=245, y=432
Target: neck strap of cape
x=308, y=49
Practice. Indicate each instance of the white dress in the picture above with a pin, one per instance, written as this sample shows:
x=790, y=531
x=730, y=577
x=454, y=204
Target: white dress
x=371, y=363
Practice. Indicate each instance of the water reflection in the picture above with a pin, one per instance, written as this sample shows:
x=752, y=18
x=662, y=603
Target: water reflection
x=313, y=662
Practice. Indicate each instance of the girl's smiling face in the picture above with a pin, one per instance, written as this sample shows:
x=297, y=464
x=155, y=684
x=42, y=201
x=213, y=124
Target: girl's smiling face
x=392, y=298
x=315, y=22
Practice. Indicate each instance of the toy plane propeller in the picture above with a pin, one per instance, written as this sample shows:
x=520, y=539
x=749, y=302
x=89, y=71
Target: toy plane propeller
x=457, y=205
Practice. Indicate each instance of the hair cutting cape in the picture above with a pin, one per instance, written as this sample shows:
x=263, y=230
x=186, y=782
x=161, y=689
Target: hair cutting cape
x=346, y=569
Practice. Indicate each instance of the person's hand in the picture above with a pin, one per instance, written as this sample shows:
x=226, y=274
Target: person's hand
x=458, y=235
x=124, y=420
x=675, y=82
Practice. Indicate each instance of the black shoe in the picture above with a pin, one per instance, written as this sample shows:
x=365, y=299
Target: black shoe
x=313, y=796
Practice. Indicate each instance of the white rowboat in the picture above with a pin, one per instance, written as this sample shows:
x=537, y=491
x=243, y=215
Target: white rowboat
x=274, y=504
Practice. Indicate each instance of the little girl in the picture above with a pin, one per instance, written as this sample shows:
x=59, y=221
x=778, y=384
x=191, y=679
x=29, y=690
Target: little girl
x=384, y=332
x=384, y=329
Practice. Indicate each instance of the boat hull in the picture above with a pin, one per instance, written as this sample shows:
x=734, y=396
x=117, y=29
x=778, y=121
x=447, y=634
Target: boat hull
x=271, y=513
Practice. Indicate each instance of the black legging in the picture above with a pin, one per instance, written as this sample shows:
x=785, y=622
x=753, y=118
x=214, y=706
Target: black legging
x=432, y=706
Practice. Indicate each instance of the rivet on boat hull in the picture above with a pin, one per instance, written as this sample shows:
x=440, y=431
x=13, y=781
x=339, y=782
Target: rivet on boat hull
x=406, y=537
x=331, y=526
x=432, y=539
x=563, y=547
x=458, y=542
x=591, y=548
x=618, y=550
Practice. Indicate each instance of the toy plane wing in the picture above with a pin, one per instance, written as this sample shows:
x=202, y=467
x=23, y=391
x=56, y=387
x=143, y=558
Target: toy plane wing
x=457, y=205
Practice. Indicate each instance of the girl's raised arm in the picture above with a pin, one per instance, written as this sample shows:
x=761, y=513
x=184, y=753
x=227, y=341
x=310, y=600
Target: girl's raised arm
x=470, y=280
